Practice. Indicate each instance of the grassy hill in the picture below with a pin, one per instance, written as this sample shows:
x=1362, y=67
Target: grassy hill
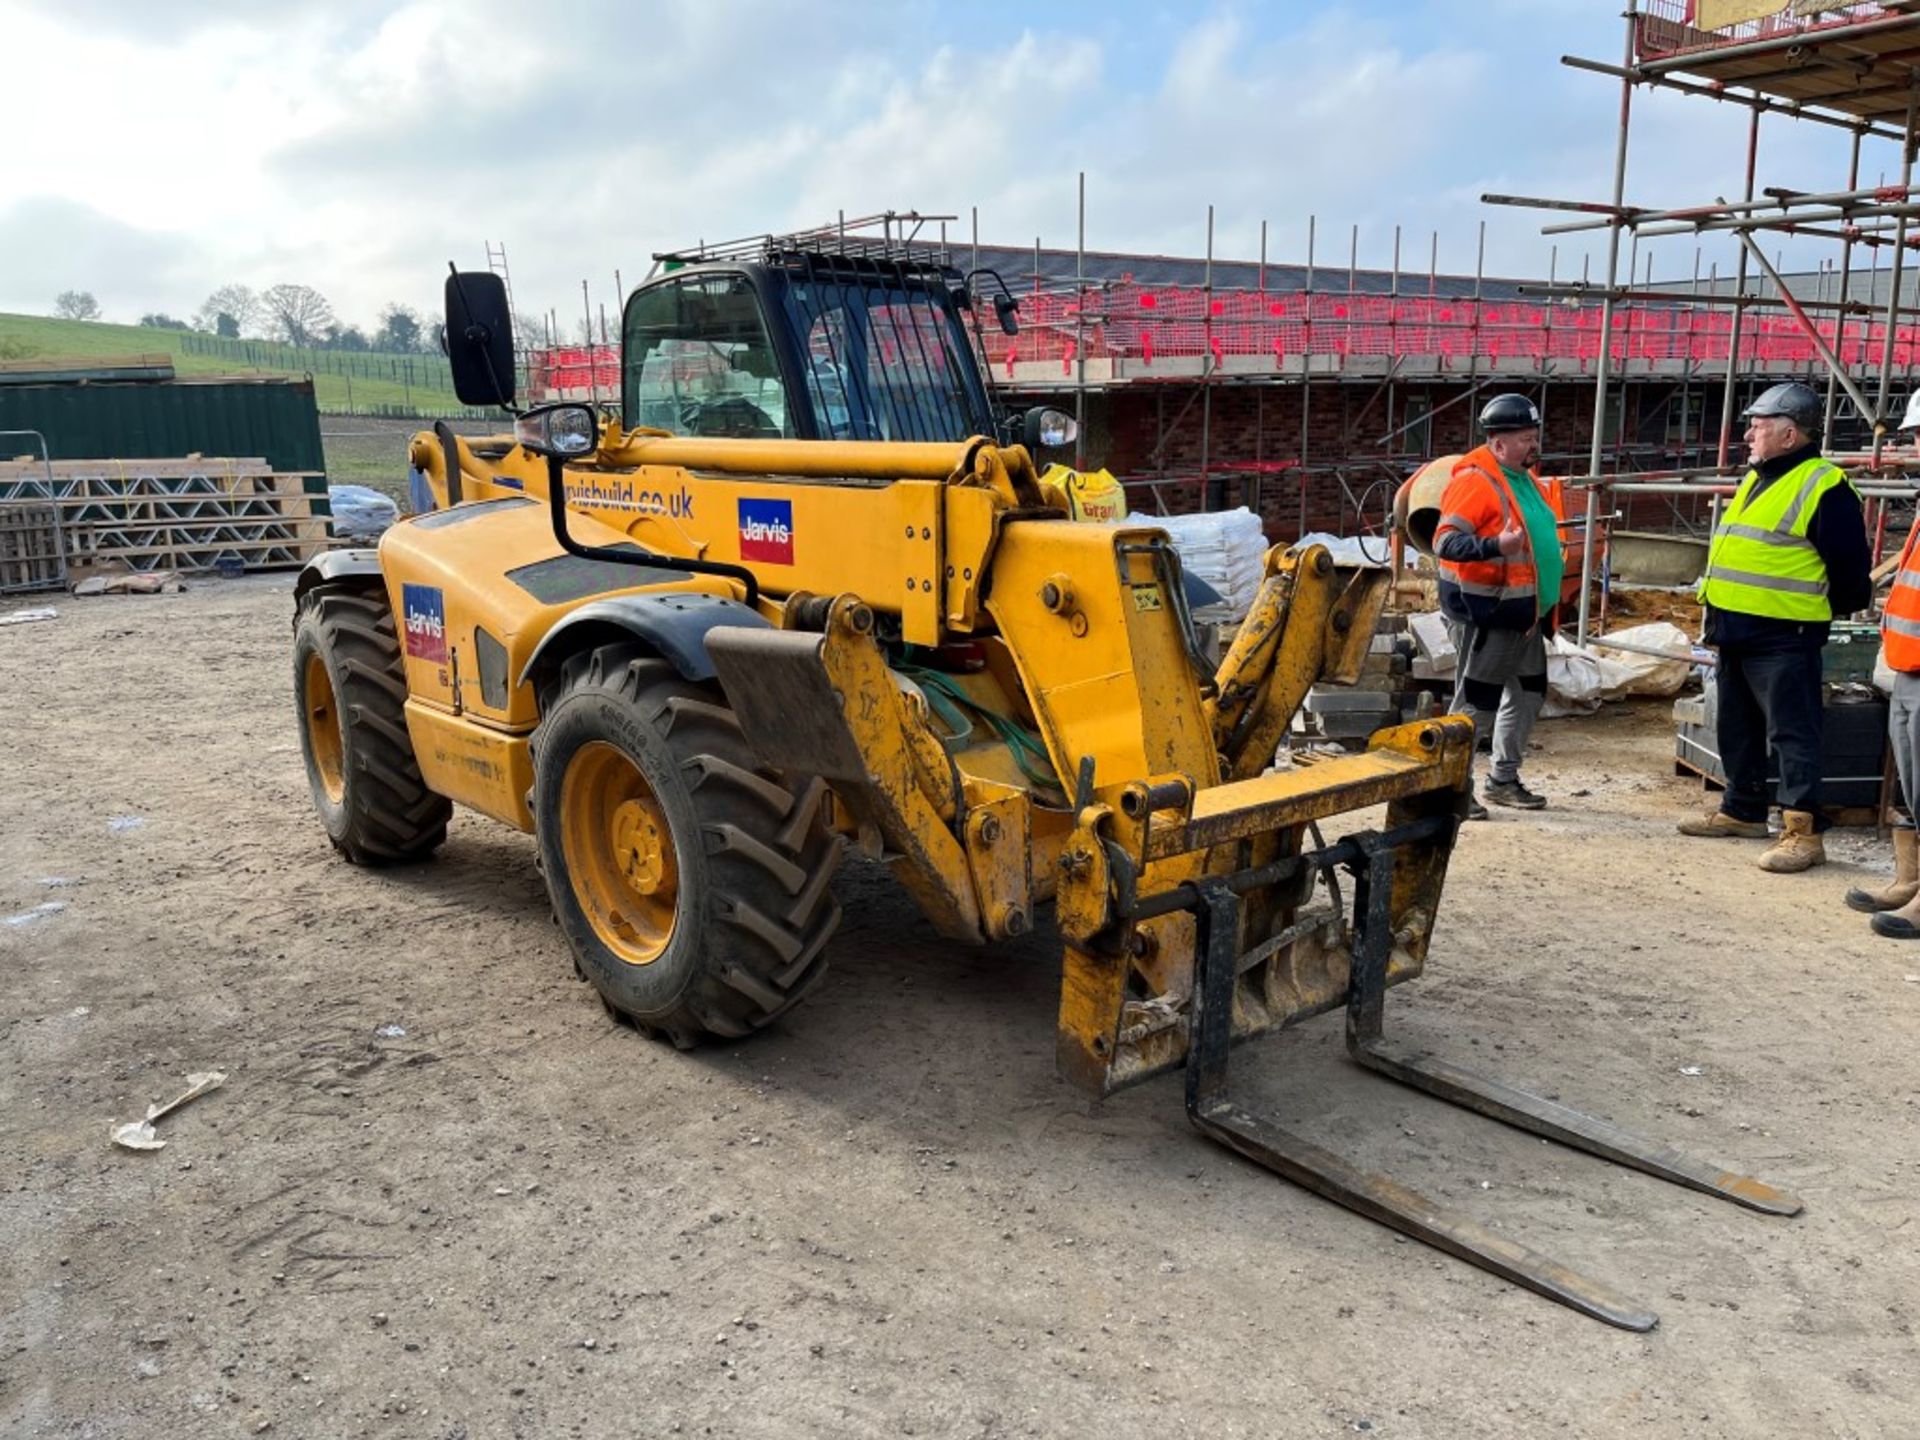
x=367, y=383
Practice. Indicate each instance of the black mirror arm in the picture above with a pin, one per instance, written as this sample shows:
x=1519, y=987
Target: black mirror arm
x=980, y=341
x=450, y=457
x=557, y=508
x=1005, y=307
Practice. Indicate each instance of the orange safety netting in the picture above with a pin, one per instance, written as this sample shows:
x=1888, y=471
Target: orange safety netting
x=1142, y=325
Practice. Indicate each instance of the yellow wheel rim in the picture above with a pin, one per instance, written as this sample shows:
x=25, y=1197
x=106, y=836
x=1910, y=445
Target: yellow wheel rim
x=619, y=853
x=324, y=740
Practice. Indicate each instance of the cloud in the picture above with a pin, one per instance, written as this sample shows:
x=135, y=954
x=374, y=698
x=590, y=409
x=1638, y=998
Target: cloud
x=54, y=244
x=357, y=147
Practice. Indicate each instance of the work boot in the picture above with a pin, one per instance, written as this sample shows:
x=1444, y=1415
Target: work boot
x=1719, y=825
x=1901, y=924
x=1906, y=877
x=1513, y=794
x=1475, y=810
x=1799, y=846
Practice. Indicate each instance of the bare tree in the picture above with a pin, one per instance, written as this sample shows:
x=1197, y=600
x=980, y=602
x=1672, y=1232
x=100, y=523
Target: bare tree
x=298, y=314
x=529, y=332
x=76, y=305
x=236, y=302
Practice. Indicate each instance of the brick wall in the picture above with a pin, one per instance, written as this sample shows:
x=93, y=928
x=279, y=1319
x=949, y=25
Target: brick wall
x=1151, y=436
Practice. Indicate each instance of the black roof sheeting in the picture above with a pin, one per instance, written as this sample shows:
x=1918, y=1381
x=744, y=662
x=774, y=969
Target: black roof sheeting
x=1057, y=267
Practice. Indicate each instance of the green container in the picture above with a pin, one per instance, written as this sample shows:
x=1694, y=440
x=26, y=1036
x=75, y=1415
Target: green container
x=274, y=417
x=105, y=420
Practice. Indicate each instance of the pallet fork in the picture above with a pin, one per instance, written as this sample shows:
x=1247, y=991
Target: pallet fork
x=1216, y=901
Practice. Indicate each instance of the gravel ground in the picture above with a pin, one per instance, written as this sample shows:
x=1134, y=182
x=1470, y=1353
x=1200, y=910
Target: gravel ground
x=441, y=1195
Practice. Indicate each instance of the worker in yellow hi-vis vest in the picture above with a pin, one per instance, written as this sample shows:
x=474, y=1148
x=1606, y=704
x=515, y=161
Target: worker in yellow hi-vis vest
x=1790, y=554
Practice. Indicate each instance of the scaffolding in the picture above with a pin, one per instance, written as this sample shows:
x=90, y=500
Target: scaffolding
x=1309, y=391
x=1417, y=344
x=1853, y=67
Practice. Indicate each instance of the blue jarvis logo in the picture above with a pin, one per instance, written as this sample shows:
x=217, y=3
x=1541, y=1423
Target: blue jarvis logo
x=425, y=622
x=766, y=531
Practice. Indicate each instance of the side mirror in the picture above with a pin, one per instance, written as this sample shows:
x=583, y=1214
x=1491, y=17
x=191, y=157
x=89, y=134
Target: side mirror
x=479, y=338
x=1045, y=428
x=558, y=432
x=1006, y=309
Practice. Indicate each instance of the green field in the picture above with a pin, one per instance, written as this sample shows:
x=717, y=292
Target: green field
x=363, y=451
x=365, y=383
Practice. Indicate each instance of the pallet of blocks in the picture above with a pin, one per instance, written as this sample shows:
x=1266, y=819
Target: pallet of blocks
x=1385, y=694
x=180, y=515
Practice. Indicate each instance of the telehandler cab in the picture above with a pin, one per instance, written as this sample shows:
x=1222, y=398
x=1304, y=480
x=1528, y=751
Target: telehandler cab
x=806, y=590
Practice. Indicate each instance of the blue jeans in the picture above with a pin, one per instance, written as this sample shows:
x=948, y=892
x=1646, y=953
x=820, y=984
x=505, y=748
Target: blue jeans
x=1770, y=700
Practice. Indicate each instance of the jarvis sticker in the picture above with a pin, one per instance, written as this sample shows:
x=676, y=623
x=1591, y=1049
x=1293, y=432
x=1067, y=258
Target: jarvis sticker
x=766, y=531
x=426, y=622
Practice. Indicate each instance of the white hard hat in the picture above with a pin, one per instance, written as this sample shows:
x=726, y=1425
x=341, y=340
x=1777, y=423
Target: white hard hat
x=1911, y=420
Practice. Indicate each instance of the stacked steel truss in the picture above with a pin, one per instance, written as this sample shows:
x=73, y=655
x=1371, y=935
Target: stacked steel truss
x=179, y=515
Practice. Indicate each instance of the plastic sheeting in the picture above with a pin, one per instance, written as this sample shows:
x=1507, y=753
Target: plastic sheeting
x=1580, y=680
x=1357, y=551
x=360, y=513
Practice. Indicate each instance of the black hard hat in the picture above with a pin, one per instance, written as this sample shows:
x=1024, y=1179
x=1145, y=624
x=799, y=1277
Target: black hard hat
x=1509, y=412
x=1795, y=401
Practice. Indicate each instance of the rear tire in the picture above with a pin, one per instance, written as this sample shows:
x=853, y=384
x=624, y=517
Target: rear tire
x=694, y=885
x=350, y=690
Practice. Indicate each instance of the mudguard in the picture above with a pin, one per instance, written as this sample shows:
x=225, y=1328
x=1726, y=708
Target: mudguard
x=675, y=625
x=358, y=567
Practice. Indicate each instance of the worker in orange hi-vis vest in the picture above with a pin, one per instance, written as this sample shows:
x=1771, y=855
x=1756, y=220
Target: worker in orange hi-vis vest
x=1898, y=904
x=1498, y=544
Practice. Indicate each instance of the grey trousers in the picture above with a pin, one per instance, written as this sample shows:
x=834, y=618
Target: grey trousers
x=1903, y=737
x=1502, y=682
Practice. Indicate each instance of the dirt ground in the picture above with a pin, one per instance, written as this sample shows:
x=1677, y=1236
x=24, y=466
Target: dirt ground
x=886, y=1215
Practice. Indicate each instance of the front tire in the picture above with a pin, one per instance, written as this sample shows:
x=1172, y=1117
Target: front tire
x=693, y=884
x=350, y=687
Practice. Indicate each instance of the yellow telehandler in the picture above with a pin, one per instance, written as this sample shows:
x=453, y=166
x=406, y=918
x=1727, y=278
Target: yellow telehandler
x=805, y=590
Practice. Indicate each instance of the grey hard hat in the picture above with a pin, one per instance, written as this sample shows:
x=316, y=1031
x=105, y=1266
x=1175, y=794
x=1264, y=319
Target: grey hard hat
x=1793, y=400
x=1509, y=412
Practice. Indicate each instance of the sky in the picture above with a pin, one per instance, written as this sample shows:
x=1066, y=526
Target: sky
x=359, y=145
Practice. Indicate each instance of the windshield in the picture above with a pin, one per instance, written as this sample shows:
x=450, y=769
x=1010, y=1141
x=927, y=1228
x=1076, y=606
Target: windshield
x=698, y=361
x=882, y=361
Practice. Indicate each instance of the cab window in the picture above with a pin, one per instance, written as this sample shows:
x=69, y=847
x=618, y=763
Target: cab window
x=698, y=361
x=884, y=362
